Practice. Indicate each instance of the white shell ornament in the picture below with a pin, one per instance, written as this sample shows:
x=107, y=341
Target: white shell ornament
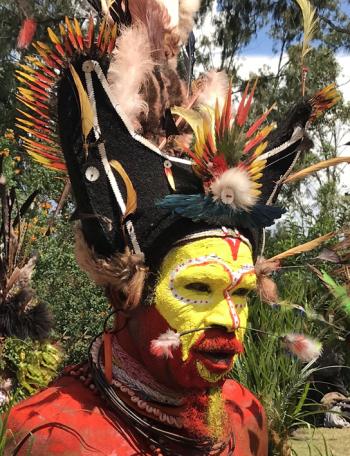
x=234, y=188
x=92, y=174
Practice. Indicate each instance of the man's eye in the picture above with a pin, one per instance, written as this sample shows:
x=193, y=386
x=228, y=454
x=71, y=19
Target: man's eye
x=240, y=292
x=198, y=286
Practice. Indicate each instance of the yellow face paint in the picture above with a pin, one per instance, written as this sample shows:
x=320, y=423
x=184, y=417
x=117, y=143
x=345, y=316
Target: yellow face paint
x=204, y=283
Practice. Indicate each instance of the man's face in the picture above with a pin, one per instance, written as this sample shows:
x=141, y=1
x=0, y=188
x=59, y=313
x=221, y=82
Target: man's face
x=201, y=284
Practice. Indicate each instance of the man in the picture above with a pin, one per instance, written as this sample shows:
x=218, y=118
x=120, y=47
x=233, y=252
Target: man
x=185, y=394
x=171, y=240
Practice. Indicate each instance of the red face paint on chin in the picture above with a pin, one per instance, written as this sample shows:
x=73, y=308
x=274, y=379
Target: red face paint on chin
x=215, y=349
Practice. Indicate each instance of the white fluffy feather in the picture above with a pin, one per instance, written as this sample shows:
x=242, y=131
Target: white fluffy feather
x=173, y=10
x=215, y=87
x=131, y=64
x=163, y=346
x=234, y=188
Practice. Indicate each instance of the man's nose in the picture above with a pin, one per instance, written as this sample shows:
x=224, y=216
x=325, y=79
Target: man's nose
x=223, y=314
x=232, y=310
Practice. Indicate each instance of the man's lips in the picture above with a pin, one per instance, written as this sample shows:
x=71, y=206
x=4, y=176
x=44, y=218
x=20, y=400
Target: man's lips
x=215, y=361
x=216, y=349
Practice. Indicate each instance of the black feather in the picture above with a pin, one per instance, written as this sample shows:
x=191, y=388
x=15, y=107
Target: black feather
x=36, y=323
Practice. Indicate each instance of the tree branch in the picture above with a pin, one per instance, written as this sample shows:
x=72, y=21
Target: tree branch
x=335, y=27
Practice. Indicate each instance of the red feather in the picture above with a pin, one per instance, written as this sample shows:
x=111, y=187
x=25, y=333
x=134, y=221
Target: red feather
x=26, y=33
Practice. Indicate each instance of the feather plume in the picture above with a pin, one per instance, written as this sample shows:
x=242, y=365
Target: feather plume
x=329, y=255
x=130, y=66
x=265, y=267
x=86, y=111
x=131, y=200
x=305, y=348
x=26, y=33
x=163, y=346
x=156, y=20
x=314, y=168
x=173, y=10
x=267, y=290
x=213, y=88
x=303, y=247
x=310, y=24
x=234, y=188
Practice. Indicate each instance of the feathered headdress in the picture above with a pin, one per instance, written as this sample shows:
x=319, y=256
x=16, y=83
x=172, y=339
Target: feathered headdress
x=111, y=103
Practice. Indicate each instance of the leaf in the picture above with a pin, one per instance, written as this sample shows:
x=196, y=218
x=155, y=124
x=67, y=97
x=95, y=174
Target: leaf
x=317, y=167
x=131, y=201
x=301, y=400
x=337, y=290
x=310, y=23
x=87, y=116
x=303, y=247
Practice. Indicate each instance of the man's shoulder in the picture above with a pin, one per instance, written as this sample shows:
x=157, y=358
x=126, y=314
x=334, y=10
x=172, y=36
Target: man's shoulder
x=236, y=392
x=66, y=418
x=248, y=416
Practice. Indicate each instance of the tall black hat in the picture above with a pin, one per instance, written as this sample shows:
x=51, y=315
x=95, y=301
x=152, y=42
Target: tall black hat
x=116, y=91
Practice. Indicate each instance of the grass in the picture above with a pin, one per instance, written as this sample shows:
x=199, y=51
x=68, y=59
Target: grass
x=321, y=442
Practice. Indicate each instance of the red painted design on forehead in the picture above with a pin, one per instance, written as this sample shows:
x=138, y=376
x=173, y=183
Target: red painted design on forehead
x=234, y=246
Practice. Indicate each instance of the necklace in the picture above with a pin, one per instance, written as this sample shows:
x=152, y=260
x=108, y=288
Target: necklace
x=149, y=420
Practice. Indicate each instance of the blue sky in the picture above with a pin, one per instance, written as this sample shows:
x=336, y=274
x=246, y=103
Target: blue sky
x=262, y=44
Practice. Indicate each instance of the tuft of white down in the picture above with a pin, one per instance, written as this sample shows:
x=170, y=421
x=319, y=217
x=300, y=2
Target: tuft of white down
x=187, y=10
x=166, y=342
x=234, y=188
x=215, y=87
x=172, y=7
x=130, y=66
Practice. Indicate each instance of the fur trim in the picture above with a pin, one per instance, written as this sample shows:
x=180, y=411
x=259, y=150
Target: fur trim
x=188, y=8
x=122, y=276
x=213, y=86
x=233, y=188
x=130, y=66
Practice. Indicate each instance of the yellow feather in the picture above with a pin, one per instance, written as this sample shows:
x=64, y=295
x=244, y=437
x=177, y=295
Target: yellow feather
x=87, y=116
x=317, y=167
x=310, y=24
x=260, y=149
x=257, y=176
x=303, y=247
x=255, y=192
x=53, y=37
x=131, y=198
x=192, y=117
x=39, y=158
x=257, y=166
x=25, y=122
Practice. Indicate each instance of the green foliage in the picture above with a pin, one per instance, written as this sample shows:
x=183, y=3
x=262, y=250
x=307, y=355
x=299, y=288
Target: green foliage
x=279, y=380
x=3, y=431
x=78, y=306
x=35, y=364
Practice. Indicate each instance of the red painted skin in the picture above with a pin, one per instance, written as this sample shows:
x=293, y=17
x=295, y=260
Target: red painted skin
x=89, y=428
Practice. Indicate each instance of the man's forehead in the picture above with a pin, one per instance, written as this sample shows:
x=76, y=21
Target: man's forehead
x=233, y=251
